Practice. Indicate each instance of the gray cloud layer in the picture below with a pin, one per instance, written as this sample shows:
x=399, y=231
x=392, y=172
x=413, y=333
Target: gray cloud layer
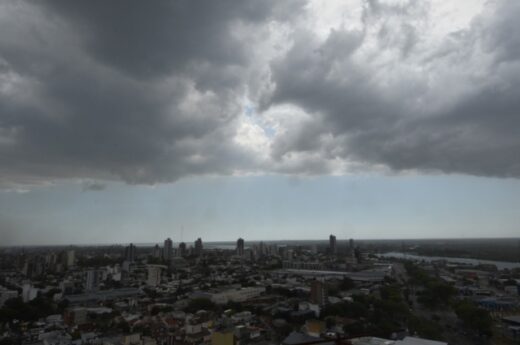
x=150, y=92
x=452, y=107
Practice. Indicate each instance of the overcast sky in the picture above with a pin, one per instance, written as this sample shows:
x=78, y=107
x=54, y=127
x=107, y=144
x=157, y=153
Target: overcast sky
x=129, y=121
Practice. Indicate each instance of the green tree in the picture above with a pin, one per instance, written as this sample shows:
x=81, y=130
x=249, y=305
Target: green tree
x=425, y=328
x=475, y=318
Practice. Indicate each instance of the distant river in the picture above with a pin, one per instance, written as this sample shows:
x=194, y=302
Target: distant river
x=500, y=264
x=216, y=245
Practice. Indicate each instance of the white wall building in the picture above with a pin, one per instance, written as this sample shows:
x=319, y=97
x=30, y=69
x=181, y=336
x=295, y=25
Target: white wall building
x=154, y=275
x=29, y=292
x=92, y=279
x=71, y=257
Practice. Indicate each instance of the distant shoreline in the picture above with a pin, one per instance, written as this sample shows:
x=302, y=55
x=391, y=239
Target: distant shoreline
x=506, y=240
x=470, y=261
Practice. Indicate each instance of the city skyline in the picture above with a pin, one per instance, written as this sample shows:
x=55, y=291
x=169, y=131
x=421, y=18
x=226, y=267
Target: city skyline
x=264, y=172
x=219, y=295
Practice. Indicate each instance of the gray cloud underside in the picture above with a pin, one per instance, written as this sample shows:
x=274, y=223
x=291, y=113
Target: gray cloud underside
x=151, y=92
x=412, y=122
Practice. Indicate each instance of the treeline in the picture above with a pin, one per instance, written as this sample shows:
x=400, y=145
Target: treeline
x=435, y=294
x=41, y=306
x=381, y=316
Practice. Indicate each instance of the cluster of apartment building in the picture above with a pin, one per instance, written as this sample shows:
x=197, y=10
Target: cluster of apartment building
x=258, y=293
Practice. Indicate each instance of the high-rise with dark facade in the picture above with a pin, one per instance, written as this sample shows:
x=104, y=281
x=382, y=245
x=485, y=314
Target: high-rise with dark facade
x=156, y=253
x=319, y=294
x=168, y=250
x=332, y=245
x=182, y=249
x=130, y=252
x=198, y=246
x=240, y=247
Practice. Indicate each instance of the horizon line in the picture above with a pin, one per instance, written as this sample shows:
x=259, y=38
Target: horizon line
x=260, y=240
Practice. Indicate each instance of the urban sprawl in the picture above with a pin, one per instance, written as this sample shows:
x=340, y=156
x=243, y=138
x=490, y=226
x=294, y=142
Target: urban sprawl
x=335, y=292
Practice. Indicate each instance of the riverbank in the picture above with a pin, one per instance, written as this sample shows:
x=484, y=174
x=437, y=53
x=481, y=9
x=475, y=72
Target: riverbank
x=501, y=265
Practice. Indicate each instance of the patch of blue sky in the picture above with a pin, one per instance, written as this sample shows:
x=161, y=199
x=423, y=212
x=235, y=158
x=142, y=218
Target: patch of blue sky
x=250, y=112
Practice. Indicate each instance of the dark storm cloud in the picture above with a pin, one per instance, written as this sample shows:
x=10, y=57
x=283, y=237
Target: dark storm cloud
x=144, y=92
x=455, y=111
x=150, y=92
x=155, y=39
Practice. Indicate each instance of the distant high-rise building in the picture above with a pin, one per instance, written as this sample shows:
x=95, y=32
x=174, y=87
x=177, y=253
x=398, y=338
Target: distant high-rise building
x=68, y=258
x=28, y=268
x=51, y=260
x=92, y=279
x=319, y=294
x=358, y=255
x=198, y=246
x=332, y=244
x=156, y=253
x=39, y=265
x=240, y=247
x=350, y=249
x=289, y=254
x=261, y=249
x=61, y=261
x=168, y=250
x=182, y=249
x=130, y=252
x=154, y=275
